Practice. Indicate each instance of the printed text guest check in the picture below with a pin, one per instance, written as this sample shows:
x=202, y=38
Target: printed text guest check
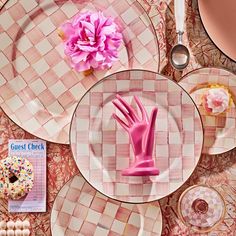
x=35, y=151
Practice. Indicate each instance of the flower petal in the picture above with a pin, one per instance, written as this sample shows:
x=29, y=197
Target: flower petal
x=79, y=56
x=107, y=30
x=67, y=29
x=92, y=41
x=88, y=25
x=82, y=66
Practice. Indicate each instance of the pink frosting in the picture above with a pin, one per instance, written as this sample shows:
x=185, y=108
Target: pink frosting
x=216, y=100
x=91, y=40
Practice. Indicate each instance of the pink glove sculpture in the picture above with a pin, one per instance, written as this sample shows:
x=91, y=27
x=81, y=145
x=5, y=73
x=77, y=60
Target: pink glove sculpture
x=141, y=133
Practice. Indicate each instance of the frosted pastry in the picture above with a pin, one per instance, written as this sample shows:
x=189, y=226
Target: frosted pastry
x=18, y=224
x=18, y=232
x=3, y=224
x=16, y=177
x=10, y=232
x=26, y=224
x=3, y=232
x=25, y=232
x=216, y=100
x=10, y=224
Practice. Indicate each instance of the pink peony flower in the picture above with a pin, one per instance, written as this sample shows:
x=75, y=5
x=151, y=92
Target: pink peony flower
x=216, y=100
x=91, y=41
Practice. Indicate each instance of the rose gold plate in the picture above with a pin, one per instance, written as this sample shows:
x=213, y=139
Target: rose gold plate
x=80, y=210
x=38, y=88
x=220, y=130
x=102, y=149
x=219, y=20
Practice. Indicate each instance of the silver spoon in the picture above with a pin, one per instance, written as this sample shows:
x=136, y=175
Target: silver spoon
x=179, y=55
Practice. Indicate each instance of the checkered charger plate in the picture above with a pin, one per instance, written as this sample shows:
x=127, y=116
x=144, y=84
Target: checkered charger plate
x=38, y=88
x=102, y=149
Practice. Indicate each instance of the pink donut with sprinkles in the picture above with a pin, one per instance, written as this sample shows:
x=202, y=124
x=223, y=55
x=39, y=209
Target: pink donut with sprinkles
x=16, y=177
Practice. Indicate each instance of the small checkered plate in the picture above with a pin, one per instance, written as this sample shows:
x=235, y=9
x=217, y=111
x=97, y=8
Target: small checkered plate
x=201, y=208
x=102, y=149
x=38, y=88
x=80, y=210
x=220, y=130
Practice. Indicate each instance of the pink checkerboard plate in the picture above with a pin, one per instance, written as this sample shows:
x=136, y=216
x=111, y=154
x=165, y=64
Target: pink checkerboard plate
x=2, y=2
x=101, y=147
x=38, y=88
x=80, y=210
x=220, y=131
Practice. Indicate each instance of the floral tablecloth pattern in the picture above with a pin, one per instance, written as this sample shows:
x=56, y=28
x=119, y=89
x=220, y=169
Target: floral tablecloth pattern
x=218, y=171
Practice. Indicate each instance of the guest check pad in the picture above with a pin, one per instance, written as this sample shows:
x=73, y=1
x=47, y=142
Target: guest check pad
x=35, y=151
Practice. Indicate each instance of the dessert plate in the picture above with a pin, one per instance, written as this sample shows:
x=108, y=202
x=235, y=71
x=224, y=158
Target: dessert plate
x=39, y=90
x=219, y=21
x=220, y=130
x=80, y=210
x=102, y=149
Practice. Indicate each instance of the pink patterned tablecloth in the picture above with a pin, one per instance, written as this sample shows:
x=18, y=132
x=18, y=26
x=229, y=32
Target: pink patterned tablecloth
x=218, y=171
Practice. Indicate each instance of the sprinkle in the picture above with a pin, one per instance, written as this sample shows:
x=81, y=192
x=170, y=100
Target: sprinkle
x=23, y=170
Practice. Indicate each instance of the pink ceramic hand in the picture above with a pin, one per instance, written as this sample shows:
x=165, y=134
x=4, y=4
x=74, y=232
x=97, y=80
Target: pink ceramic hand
x=141, y=132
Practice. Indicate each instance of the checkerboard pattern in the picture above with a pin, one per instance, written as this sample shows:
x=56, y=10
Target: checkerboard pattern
x=38, y=88
x=81, y=210
x=2, y=2
x=102, y=148
x=220, y=131
x=215, y=211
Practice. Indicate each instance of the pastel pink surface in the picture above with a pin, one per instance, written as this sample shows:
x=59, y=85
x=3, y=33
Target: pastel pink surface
x=38, y=88
x=218, y=18
x=94, y=214
x=219, y=130
x=141, y=134
x=101, y=148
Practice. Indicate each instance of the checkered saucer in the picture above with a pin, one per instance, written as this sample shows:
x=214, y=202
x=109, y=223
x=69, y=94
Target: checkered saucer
x=102, y=149
x=38, y=88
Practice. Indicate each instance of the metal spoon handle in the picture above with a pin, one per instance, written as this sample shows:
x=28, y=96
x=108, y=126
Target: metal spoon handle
x=179, y=16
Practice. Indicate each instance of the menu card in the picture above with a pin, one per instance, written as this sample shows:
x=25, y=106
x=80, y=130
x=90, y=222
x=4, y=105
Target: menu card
x=35, y=151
